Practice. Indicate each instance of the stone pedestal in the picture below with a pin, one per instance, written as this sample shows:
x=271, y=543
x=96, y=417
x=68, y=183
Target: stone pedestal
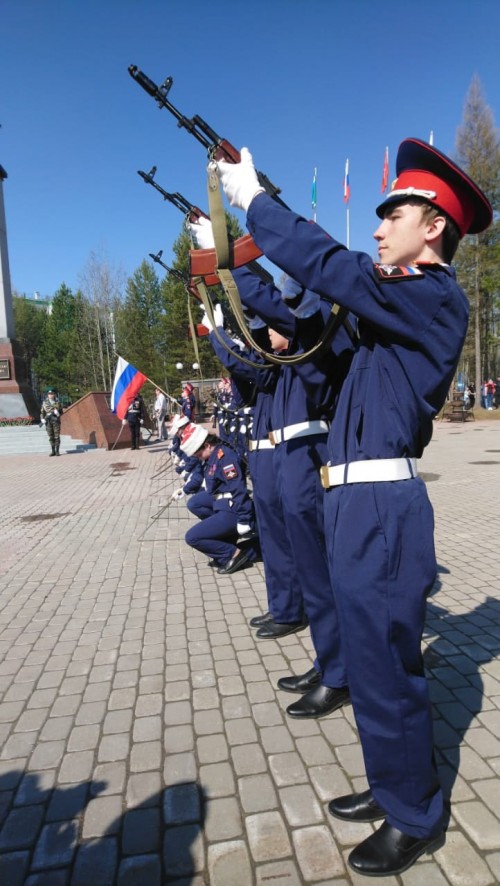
x=17, y=399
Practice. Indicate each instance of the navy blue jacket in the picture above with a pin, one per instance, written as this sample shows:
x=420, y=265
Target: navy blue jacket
x=412, y=330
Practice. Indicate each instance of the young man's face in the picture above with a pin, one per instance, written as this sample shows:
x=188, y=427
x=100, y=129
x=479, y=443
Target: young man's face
x=278, y=341
x=401, y=236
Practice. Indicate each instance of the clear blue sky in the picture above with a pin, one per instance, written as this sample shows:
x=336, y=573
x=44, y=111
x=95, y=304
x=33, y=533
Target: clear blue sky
x=302, y=83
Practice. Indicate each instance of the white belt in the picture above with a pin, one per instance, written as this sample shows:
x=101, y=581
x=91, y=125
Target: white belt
x=253, y=445
x=223, y=495
x=372, y=471
x=302, y=429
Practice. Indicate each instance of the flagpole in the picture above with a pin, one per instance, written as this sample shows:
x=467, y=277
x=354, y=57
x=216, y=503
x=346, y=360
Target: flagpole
x=314, y=193
x=347, y=197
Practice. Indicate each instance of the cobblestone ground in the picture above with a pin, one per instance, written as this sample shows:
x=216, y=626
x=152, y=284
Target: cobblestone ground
x=143, y=739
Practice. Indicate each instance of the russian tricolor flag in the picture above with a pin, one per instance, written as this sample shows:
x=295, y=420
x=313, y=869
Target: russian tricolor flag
x=347, y=187
x=128, y=382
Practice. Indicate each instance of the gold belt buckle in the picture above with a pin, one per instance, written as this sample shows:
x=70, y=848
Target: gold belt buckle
x=324, y=476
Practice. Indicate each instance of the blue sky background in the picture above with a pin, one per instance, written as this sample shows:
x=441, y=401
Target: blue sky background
x=302, y=83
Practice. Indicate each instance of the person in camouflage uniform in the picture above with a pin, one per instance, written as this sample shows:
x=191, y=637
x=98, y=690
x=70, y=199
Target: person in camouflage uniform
x=51, y=417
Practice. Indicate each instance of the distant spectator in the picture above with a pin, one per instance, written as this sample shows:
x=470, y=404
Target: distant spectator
x=489, y=392
x=470, y=396
x=496, y=401
x=160, y=413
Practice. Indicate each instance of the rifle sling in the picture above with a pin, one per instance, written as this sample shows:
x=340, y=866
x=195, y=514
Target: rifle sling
x=337, y=316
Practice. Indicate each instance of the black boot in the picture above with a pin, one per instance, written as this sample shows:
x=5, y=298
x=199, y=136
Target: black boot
x=53, y=451
x=57, y=448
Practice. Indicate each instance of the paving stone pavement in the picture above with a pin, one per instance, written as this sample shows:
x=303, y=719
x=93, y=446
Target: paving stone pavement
x=143, y=740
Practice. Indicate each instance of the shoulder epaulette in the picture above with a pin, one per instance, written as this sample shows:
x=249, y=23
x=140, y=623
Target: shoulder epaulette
x=396, y=273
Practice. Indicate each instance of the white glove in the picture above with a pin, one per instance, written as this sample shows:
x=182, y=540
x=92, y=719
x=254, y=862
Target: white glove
x=239, y=180
x=206, y=322
x=176, y=460
x=178, y=494
x=243, y=528
x=42, y=421
x=218, y=316
x=55, y=412
x=141, y=420
x=202, y=233
x=124, y=421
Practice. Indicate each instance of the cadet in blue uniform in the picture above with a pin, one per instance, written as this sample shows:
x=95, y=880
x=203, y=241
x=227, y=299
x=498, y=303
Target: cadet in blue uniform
x=379, y=521
x=188, y=401
x=282, y=582
x=299, y=424
x=232, y=509
x=135, y=417
x=179, y=422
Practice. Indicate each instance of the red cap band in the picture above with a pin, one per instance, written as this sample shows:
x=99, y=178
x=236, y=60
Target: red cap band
x=457, y=206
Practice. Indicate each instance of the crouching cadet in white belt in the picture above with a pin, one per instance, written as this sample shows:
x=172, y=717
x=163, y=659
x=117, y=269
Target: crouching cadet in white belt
x=378, y=519
x=233, y=514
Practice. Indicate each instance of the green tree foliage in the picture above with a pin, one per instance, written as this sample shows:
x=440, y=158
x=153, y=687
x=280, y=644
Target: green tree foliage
x=29, y=323
x=478, y=258
x=54, y=365
x=74, y=347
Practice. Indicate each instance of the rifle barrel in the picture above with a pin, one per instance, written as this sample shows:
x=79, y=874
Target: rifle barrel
x=200, y=129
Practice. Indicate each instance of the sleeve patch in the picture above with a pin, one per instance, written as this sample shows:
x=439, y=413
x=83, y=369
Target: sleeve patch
x=220, y=453
x=390, y=273
x=230, y=472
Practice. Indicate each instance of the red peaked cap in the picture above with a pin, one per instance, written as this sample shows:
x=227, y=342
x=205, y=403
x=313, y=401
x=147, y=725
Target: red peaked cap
x=188, y=387
x=421, y=167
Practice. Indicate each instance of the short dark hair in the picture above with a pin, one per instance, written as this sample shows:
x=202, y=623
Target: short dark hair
x=451, y=234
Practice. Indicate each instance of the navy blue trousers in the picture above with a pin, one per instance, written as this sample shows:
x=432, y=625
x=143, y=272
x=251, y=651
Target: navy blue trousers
x=215, y=536
x=296, y=464
x=201, y=504
x=284, y=595
x=383, y=565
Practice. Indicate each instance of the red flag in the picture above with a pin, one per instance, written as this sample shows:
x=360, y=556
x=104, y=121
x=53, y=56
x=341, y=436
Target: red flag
x=385, y=171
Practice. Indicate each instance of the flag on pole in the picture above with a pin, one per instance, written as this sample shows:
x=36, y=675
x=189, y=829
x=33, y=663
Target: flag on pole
x=314, y=194
x=385, y=172
x=127, y=384
x=347, y=187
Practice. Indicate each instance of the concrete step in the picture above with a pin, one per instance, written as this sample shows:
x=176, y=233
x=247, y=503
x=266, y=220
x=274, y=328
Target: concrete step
x=33, y=440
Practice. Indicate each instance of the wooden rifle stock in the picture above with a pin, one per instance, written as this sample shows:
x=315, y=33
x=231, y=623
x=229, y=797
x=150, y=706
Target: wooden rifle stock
x=203, y=262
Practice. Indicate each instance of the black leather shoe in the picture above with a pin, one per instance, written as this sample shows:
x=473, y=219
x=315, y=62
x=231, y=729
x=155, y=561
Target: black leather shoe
x=234, y=563
x=388, y=852
x=318, y=702
x=356, y=807
x=258, y=620
x=271, y=630
x=302, y=683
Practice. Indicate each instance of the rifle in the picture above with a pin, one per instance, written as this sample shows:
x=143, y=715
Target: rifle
x=244, y=250
x=178, y=275
x=218, y=148
x=193, y=214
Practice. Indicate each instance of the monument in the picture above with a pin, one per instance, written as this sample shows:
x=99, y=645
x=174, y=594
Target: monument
x=17, y=399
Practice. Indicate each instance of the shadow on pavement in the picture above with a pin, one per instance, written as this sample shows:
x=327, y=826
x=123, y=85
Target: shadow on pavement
x=42, y=830
x=461, y=645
